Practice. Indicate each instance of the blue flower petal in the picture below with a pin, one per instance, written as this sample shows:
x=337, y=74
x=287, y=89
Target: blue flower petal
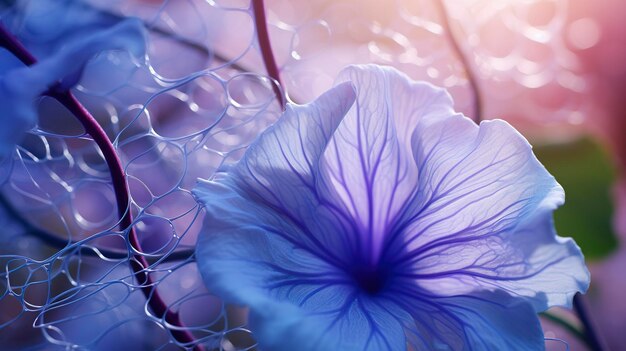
x=483, y=216
x=368, y=167
x=297, y=300
x=349, y=325
x=477, y=321
x=249, y=245
x=280, y=170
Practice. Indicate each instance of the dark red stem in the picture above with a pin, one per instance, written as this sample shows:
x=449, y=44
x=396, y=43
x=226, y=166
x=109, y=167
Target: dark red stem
x=260, y=21
x=139, y=263
x=13, y=45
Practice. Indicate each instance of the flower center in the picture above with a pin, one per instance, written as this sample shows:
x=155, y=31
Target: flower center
x=370, y=280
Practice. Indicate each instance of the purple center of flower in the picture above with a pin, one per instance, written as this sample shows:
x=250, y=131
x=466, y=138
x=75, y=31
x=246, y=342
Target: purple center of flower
x=370, y=280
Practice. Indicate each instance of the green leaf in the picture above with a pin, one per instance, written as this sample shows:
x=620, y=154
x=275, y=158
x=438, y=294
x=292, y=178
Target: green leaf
x=586, y=172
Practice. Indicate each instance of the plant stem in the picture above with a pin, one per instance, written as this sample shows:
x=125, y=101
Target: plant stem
x=139, y=263
x=591, y=335
x=260, y=21
x=13, y=45
x=471, y=78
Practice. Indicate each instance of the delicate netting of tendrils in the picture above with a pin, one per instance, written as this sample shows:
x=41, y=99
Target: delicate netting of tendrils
x=200, y=98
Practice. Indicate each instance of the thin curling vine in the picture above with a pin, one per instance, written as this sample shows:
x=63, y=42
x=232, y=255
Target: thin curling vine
x=139, y=263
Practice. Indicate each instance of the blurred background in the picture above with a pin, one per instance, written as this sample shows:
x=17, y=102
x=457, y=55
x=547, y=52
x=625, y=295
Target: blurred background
x=555, y=69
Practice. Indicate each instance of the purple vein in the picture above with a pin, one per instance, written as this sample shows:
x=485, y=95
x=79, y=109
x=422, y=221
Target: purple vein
x=260, y=21
x=139, y=263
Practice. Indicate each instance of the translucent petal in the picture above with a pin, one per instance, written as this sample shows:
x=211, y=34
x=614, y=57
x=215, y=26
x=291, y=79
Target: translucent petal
x=280, y=170
x=483, y=216
x=476, y=321
x=368, y=167
x=346, y=323
x=296, y=300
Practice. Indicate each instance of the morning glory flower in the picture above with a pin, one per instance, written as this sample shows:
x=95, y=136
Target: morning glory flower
x=377, y=218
